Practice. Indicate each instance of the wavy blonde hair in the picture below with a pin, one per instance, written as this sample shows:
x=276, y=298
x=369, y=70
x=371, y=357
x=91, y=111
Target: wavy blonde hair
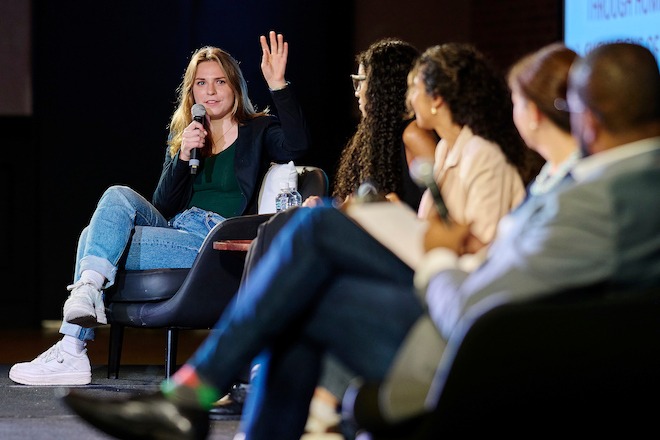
x=242, y=111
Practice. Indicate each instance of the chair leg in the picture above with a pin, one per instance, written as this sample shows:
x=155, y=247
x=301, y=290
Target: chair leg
x=170, y=355
x=114, y=350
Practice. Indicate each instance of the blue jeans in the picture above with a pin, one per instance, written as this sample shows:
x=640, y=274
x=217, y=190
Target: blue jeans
x=127, y=230
x=335, y=376
x=324, y=286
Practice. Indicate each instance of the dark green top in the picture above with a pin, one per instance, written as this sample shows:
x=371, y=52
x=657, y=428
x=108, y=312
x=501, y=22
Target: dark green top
x=261, y=140
x=216, y=188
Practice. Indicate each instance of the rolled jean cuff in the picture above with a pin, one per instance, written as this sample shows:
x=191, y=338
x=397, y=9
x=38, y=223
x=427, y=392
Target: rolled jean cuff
x=78, y=332
x=100, y=265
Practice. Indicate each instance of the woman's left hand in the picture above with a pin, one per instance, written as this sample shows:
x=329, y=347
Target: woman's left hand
x=440, y=234
x=273, y=60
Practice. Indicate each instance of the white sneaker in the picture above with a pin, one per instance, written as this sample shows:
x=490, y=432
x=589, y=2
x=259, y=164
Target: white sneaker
x=84, y=306
x=54, y=367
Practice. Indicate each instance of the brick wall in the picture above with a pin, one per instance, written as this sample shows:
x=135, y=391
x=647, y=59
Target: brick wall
x=509, y=29
x=503, y=29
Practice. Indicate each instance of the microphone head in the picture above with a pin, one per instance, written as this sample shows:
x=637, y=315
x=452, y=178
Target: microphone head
x=367, y=188
x=198, y=111
x=421, y=171
x=368, y=192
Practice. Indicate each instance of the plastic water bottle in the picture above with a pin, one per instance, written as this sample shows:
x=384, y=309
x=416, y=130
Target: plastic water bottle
x=296, y=197
x=282, y=201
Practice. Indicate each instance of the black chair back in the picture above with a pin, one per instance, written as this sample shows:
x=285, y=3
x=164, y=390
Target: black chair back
x=583, y=361
x=189, y=298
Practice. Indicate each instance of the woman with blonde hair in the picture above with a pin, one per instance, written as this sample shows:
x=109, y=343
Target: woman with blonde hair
x=236, y=143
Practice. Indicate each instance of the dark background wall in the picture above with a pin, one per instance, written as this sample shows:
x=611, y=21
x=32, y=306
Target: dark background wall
x=103, y=88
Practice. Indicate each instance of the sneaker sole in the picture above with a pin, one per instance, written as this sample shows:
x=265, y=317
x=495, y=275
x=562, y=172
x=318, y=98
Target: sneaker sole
x=52, y=379
x=81, y=318
x=84, y=321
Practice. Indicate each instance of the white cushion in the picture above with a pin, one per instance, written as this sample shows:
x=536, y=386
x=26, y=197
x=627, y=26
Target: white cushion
x=271, y=184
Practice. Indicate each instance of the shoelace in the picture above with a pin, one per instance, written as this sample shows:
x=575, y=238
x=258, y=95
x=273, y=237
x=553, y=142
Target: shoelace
x=97, y=300
x=53, y=352
x=77, y=284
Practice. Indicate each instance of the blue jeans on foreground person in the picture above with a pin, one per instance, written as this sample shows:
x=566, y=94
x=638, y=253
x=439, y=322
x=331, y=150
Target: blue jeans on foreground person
x=335, y=376
x=324, y=286
x=123, y=218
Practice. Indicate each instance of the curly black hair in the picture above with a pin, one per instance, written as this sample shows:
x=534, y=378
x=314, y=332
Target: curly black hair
x=478, y=96
x=374, y=152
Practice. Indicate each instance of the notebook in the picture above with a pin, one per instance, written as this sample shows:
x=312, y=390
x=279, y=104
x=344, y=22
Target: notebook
x=393, y=224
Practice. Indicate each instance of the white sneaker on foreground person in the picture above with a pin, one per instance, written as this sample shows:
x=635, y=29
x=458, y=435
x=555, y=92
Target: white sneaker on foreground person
x=84, y=306
x=54, y=367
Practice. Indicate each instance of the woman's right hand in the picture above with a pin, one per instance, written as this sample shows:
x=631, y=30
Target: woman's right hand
x=419, y=142
x=193, y=137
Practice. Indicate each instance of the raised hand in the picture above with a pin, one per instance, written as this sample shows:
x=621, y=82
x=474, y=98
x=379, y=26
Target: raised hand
x=273, y=60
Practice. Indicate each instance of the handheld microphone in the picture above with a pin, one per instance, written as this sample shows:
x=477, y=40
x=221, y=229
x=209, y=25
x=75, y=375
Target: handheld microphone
x=421, y=171
x=198, y=114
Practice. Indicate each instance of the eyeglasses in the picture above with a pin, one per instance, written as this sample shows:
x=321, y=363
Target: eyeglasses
x=357, y=81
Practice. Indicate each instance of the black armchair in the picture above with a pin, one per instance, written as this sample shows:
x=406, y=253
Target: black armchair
x=189, y=298
x=585, y=361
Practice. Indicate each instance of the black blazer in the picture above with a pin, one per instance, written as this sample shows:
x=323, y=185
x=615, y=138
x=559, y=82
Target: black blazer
x=260, y=141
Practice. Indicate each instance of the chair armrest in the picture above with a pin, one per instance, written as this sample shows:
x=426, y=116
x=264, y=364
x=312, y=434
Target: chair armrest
x=312, y=181
x=232, y=245
x=237, y=228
